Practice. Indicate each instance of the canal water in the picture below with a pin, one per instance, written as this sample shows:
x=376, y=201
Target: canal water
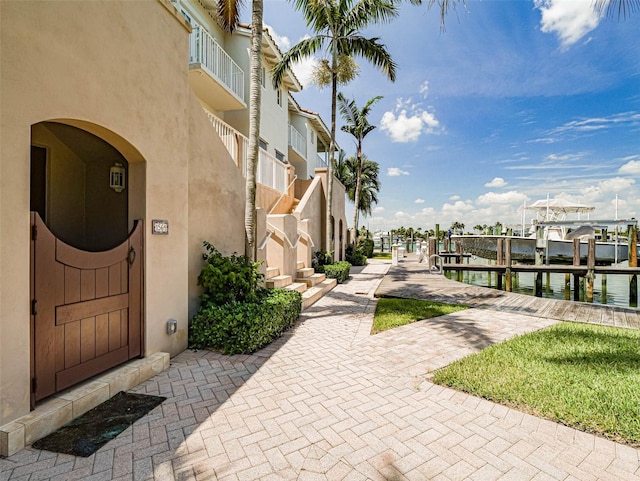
x=612, y=289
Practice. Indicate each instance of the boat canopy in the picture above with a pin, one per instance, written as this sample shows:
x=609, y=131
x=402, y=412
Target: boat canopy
x=560, y=206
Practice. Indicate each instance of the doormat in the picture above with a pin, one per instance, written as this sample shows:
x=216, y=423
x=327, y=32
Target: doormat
x=85, y=435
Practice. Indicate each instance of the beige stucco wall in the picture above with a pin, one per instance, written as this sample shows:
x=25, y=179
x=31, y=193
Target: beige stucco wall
x=216, y=198
x=117, y=69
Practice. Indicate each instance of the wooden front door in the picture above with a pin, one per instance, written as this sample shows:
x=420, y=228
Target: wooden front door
x=86, y=312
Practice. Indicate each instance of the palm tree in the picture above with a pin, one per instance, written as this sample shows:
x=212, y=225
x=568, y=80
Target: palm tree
x=623, y=8
x=346, y=170
x=229, y=15
x=337, y=25
x=357, y=124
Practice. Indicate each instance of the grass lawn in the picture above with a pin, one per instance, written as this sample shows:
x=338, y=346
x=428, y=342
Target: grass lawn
x=580, y=375
x=384, y=256
x=392, y=313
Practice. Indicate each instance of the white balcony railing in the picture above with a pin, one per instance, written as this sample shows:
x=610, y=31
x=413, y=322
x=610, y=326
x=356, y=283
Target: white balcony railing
x=270, y=171
x=297, y=141
x=321, y=162
x=204, y=49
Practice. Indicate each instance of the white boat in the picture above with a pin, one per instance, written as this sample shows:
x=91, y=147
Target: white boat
x=558, y=238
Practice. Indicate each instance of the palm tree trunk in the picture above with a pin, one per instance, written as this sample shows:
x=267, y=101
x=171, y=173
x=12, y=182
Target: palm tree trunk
x=332, y=148
x=356, y=203
x=254, y=130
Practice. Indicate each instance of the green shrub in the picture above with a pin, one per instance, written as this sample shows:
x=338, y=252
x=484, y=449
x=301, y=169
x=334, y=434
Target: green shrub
x=228, y=279
x=245, y=327
x=365, y=246
x=338, y=271
x=355, y=257
x=321, y=259
x=236, y=315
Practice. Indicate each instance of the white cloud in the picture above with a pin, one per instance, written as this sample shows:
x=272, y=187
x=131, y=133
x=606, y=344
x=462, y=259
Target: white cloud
x=396, y=172
x=378, y=209
x=632, y=167
x=506, y=198
x=454, y=197
x=402, y=215
x=496, y=182
x=607, y=188
x=419, y=201
x=569, y=20
x=408, y=121
x=424, y=88
x=282, y=41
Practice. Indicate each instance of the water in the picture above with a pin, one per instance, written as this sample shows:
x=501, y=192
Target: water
x=615, y=290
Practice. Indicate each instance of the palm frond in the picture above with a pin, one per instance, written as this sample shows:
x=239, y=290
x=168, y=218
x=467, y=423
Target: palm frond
x=367, y=12
x=229, y=14
x=374, y=52
x=613, y=8
x=305, y=48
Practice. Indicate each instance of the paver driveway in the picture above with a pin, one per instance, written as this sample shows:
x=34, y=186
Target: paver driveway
x=330, y=402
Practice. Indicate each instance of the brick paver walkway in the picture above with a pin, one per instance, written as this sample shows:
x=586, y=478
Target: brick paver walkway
x=330, y=402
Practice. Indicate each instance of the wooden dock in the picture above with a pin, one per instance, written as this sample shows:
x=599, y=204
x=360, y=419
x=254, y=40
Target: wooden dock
x=413, y=280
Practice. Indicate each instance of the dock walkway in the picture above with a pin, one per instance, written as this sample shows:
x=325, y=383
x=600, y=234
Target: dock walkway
x=413, y=280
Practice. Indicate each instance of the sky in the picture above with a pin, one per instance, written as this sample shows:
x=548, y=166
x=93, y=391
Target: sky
x=515, y=100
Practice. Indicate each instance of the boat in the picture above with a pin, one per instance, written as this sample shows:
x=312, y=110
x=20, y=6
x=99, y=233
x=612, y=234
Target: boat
x=559, y=233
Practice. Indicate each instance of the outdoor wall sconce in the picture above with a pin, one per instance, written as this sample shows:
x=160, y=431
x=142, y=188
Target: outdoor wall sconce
x=117, y=177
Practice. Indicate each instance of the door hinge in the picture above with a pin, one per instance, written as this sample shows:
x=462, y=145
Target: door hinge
x=34, y=232
x=34, y=384
x=34, y=307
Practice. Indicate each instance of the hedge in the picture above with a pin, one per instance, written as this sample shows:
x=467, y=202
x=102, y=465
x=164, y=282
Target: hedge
x=245, y=327
x=339, y=271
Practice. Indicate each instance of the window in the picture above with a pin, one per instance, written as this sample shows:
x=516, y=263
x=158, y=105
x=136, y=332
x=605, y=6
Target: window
x=280, y=156
x=279, y=97
x=262, y=144
x=313, y=137
x=263, y=76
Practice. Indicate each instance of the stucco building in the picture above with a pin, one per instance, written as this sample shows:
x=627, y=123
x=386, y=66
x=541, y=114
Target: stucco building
x=122, y=150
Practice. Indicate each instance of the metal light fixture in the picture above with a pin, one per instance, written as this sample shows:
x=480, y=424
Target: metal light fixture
x=117, y=177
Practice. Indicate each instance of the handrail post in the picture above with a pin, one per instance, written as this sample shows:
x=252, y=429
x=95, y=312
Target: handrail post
x=576, y=262
x=591, y=264
x=632, y=242
x=507, y=271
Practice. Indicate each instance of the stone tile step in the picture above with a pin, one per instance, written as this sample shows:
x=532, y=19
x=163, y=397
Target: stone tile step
x=61, y=408
x=272, y=272
x=312, y=280
x=311, y=295
x=300, y=265
x=305, y=272
x=297, y=286
x=278, y=281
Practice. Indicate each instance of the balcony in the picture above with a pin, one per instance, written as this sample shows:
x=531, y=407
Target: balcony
x=214, y=76
x=298, y=142
x=270, y=171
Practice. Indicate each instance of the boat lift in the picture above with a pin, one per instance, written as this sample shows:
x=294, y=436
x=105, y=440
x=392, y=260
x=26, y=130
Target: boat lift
x=542, y=240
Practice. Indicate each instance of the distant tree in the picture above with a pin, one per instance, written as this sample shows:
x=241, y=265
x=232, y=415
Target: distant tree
x=357, y=124
x=345, y=171
x=477, y=228
x=457, y=227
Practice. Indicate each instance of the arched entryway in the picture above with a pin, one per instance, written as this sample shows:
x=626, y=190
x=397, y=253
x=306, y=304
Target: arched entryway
x=86, y=254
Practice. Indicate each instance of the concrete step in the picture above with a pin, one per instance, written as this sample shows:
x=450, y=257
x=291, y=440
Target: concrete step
x=312, y=280
x=300, y=265
x=304, y=272
x=278, y=281
x=272, y=272
x=312, y=294
x=297, y=286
